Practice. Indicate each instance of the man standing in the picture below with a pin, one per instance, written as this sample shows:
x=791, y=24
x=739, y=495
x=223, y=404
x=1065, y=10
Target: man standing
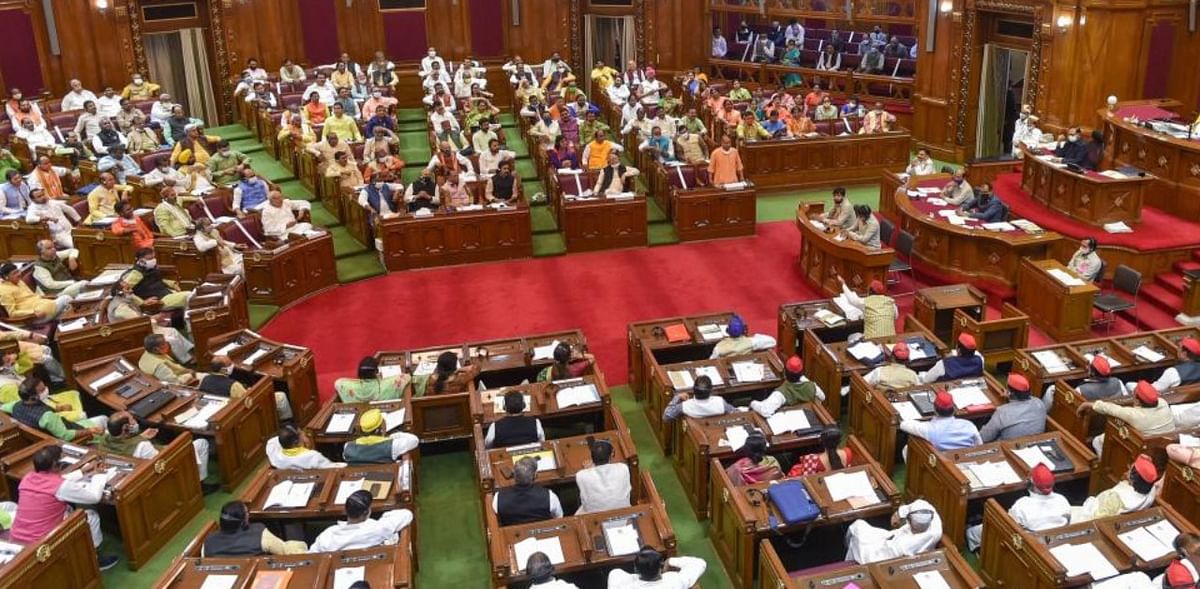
x=879, y=310
x=725, y=164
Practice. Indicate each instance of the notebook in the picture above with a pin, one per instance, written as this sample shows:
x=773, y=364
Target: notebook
x=677, y=333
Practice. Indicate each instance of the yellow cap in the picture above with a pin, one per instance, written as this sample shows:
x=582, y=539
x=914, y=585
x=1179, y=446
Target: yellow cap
x=370, y=420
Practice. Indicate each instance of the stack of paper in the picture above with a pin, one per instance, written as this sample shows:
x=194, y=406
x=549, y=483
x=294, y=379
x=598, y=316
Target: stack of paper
x=1164, y=531
x=1147, y=354
x=346, y=489
x=106, y=278
x=344, y=577
x=91, y=295
x=1027, y=225
x=712, y=373
x=1065, y=278
x=545, y=352
x=680, y=379
x=200, y=420
x=1145, y=545
x=551, y=547
x=1082, y=559
x=220, y=582
x=967, y=396
x=994, y=474
x=620, y=195
x=828, y=317
x=843, y=485
x=734, y=186
x=73, y=325
x=850, y=311
x=622, y=539
x=394, y=419
x=288, y=494
x=1033, y=456
x=106, y=380
x=1117, y=227
x=252, y=358
x=225, y=349
x=577, y=395
x=736, y=436
x=1051, y=361
x=1000, y=226
x=747, y=371
x=865, y=350
x=340, y=423
x=1113, y=174
x=712, y=331
x=937, y=202
x=907, y=410
x=930, y=580
x=788, y=421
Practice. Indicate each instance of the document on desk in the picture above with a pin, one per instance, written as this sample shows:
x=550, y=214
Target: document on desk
x=815, y=223
x=200, y=420
x=865, y=351
x=1065, y=277
x=91, y=295
x=1084, y=559
x=106, y=278
x=551, y=547
x=915, y=352
x=289, y=494
x=106, y=380
x=852, y=313
x=394, y=419
x=584, y=394
x=1112, y=362
x=340, y=423
x=967, y=396
x=829, y=318
x=994, y=474
x=1145, y=353
x=1051, y=361
x=252, y=358
x=394, y=370
x=681, y=379
x=712, y=331
x=1164, y=531
x=748, y=371
x=1117, y=227
x=788, y=421
x=1027, y=225
x=226, y=349
x=1000, y=226
x=907, y=410
x=219, y=582
x=843, y=485
x=1033, y=456
x=1144, y=544
x=622, y=538
x=344, y=577
x=930, y=580
x=712, y=373
x=736, y=437
x=545, y=352
x=346, y=489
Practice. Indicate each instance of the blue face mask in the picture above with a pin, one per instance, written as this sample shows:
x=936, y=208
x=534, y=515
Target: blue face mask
x=958, y=180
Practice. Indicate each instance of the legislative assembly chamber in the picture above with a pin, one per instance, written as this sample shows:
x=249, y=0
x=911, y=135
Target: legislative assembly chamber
x=599, y=294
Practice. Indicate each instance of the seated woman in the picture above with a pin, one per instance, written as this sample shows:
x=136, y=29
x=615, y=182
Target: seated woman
x=447, y=377
x=370, y=386
x=565, y=366
x=791, y=57
x=564, y=154
x=754, y=466
x=830, y=459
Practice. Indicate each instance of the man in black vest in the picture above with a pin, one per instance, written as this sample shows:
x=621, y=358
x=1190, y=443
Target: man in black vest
x=502, y=186
x=54, y=276
x=964, y=363
x=514, y=428
x=148, y=283
x=525, y=502
x=236, y=536
x=1186, y=372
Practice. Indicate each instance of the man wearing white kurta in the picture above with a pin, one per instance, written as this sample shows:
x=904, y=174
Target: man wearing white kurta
x=604, y=486
x=921, y=531
x=1042, y=509
x=286, y=451
x=359, y=530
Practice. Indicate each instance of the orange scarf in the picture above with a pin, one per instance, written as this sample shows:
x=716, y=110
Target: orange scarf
x=50, y=182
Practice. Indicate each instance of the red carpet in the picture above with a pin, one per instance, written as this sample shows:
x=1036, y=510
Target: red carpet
x=600, y=293
x=1157, y=230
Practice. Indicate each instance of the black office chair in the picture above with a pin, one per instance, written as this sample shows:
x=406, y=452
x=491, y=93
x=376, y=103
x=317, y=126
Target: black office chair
x=886, y=229
x=1099, y=277
x=1126, y=280
x=903, y=261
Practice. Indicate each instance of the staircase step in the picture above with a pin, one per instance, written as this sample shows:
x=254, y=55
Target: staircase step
x=507, y=119
x=1184, y=265
x=1162, y=297
x=526, y=168
x=247, y=146
x=1170, y=280
x=230, y=133
x=260, y=314
x=324, y=218
x=548, y=244
x=344, y=244
x=295, y=189
x=543, y=221
x=270, y=169
x=359, y=266
x=412, y=126
x=406, y=115
x=654, y=214
x=661, y=234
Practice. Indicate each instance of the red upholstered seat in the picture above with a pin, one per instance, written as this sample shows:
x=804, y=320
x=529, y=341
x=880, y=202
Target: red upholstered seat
x=290, y=100
x=149, y=161
x=693, y=175
x=569, y=186
x=63, y=120
x=217, y=205
x=144, y=105
x=252, y=225
x=850, y=60
x=81, y=207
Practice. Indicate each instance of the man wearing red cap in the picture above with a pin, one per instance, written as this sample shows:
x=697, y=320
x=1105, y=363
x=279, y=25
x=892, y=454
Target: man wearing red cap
x=1151, y=414
x=1183, y=569
x=796, y=389
x=879, y=311
x=1178, y=576
x=1042, y=509
x=964, y=364
x=895, y=374
x=1022, y=415
x=944, y=431
x=1186, y=372
x=1132, y=494
x=1100, y=384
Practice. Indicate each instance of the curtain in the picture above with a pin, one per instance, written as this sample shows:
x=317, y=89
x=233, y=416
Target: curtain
x=203, y=103
x=994, y=89
x=163, y=51
x=629, y=44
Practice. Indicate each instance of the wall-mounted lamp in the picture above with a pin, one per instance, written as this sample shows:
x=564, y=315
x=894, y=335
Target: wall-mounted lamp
x=1063, y=22
x=946, y=6
x=102, y=5
x=1112, y=103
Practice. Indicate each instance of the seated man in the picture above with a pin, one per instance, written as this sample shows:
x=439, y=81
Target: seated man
x=1085, y=261
x=841, y=214
x=119, y=164
x=172, y=219
x=602, y=486
x=650, y=570
x=1021, y=416
x=1132, y=494
x=699, y=404
x=53, y=271
x=1042, y=509
x=59, y=217
x=1151, y=415
x=31, y=352
x=124, y=437
x=920, y=532
x=895, y=374
x=147, y=281
x=376, y=446
x=877, y=121
x=157, y=361
x=796, y=389
x=985, y=206
x=1099, y=383
x=35, y=409
x=236, y=536
x=229, y=255
x=965, y=363
x=525, y=502
x=345, y=171
x=736, y=341
x=612, y=177
x=359, y=530
x=124, y=305
x=1186, y=372
x=866, y=227
x=540, y=571
x=944, y=431
x=46, y=497
x=514, y=429
x=164, y=174
x=282, y=217
x=287, y=451
x=1072, y=151
x=958, y=190
x=379, y=195
x=227, y=164
x=503, y=186
x=423, y=192
x=18, y=299
x=369, y=386
x=251, y=192
x=491, y=158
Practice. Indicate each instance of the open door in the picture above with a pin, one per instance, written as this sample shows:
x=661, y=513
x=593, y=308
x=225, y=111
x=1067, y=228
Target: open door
x=178, y=61
x=1001, y=93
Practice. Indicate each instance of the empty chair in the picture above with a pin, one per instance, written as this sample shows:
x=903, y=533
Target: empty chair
x=903, y=261
x=886, y=227
x=1125, y=280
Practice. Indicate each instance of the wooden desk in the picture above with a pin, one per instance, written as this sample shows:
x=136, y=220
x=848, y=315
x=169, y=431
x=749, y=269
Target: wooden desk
x=571, y=455
x=1075, y=365
x=647, y=344
x=821, y=161
x=181, y=253
x=997, y=340
x=1181, y=490
x=701, y=211
x=823, y=258
x=153, y=498
x=662, y=391
x=1006, y=543
x=98, y=339
x=830, y=365
x=966, y=253
x=701, y=441
x=542, y=403
x=1063, y=312
x=450, y=238
x=64, y=558
x=1169, y=160
x=330, y=443
x=796, y=319
x=289, y=367
x=937, y=476
x=286, y=274
x=219, y=306
x=935, y=307
x=602, y=223
x=1067, y=400
x=1089, y=197
x=322, y=503
x=896, y=573
x=875, y=420
x=742, y=515
x=389, y=567
x=20, y=238
x=1123, y=443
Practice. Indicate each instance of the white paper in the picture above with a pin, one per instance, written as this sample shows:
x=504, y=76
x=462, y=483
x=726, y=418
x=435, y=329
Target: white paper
x=545, y=352
x=252, y=358
x=346, y=489
x=225, y=349
x=935, y=201
x=200, y=420
x=74, y=324
x=681, y=379
x=1118, y=227
x=1051, y=361
x=843, y=485
x=1145, y=545
x=907, y=410
x=930, y=580
x=819, y=225
x=747, y=371
x=1164, y=531
x=551, y=547
x=994, y=474
x=788, y=421
x=219, y=582
x=1000, y=226
x=865, y=350
x=712, y=373
x=828, y=317
x=577, y=395
x=1083, y=558
x=391, y=370
x=106, y=278
x=1112, y=362
x=852, y=313
x=394, y=419
x=622, y=540
x=91, y=295
x=1033, y=456
x=736, y=436
x=1064, y=277
x=1147, y=354
x=106, y=380
x=969, y=395
x=289, y=494
x=712, y=331
x=340, y=423
x=344, y=577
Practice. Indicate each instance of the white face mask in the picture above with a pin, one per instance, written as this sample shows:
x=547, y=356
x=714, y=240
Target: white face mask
x=150, y=264
x=1072, y=138
x=44, y=395
x=134, y=428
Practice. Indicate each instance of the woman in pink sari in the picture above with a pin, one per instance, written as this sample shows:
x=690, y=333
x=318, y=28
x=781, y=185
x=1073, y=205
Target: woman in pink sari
x=754, y=466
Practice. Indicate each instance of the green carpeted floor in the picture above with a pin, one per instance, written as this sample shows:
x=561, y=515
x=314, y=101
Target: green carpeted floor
x=781, y=206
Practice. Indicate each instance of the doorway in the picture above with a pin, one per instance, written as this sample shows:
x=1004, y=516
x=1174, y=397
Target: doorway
x=610, y=39
x=178, y=62
x=1001, y=94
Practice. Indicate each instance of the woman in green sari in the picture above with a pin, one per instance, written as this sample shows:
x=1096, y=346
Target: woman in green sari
x=791, y=57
